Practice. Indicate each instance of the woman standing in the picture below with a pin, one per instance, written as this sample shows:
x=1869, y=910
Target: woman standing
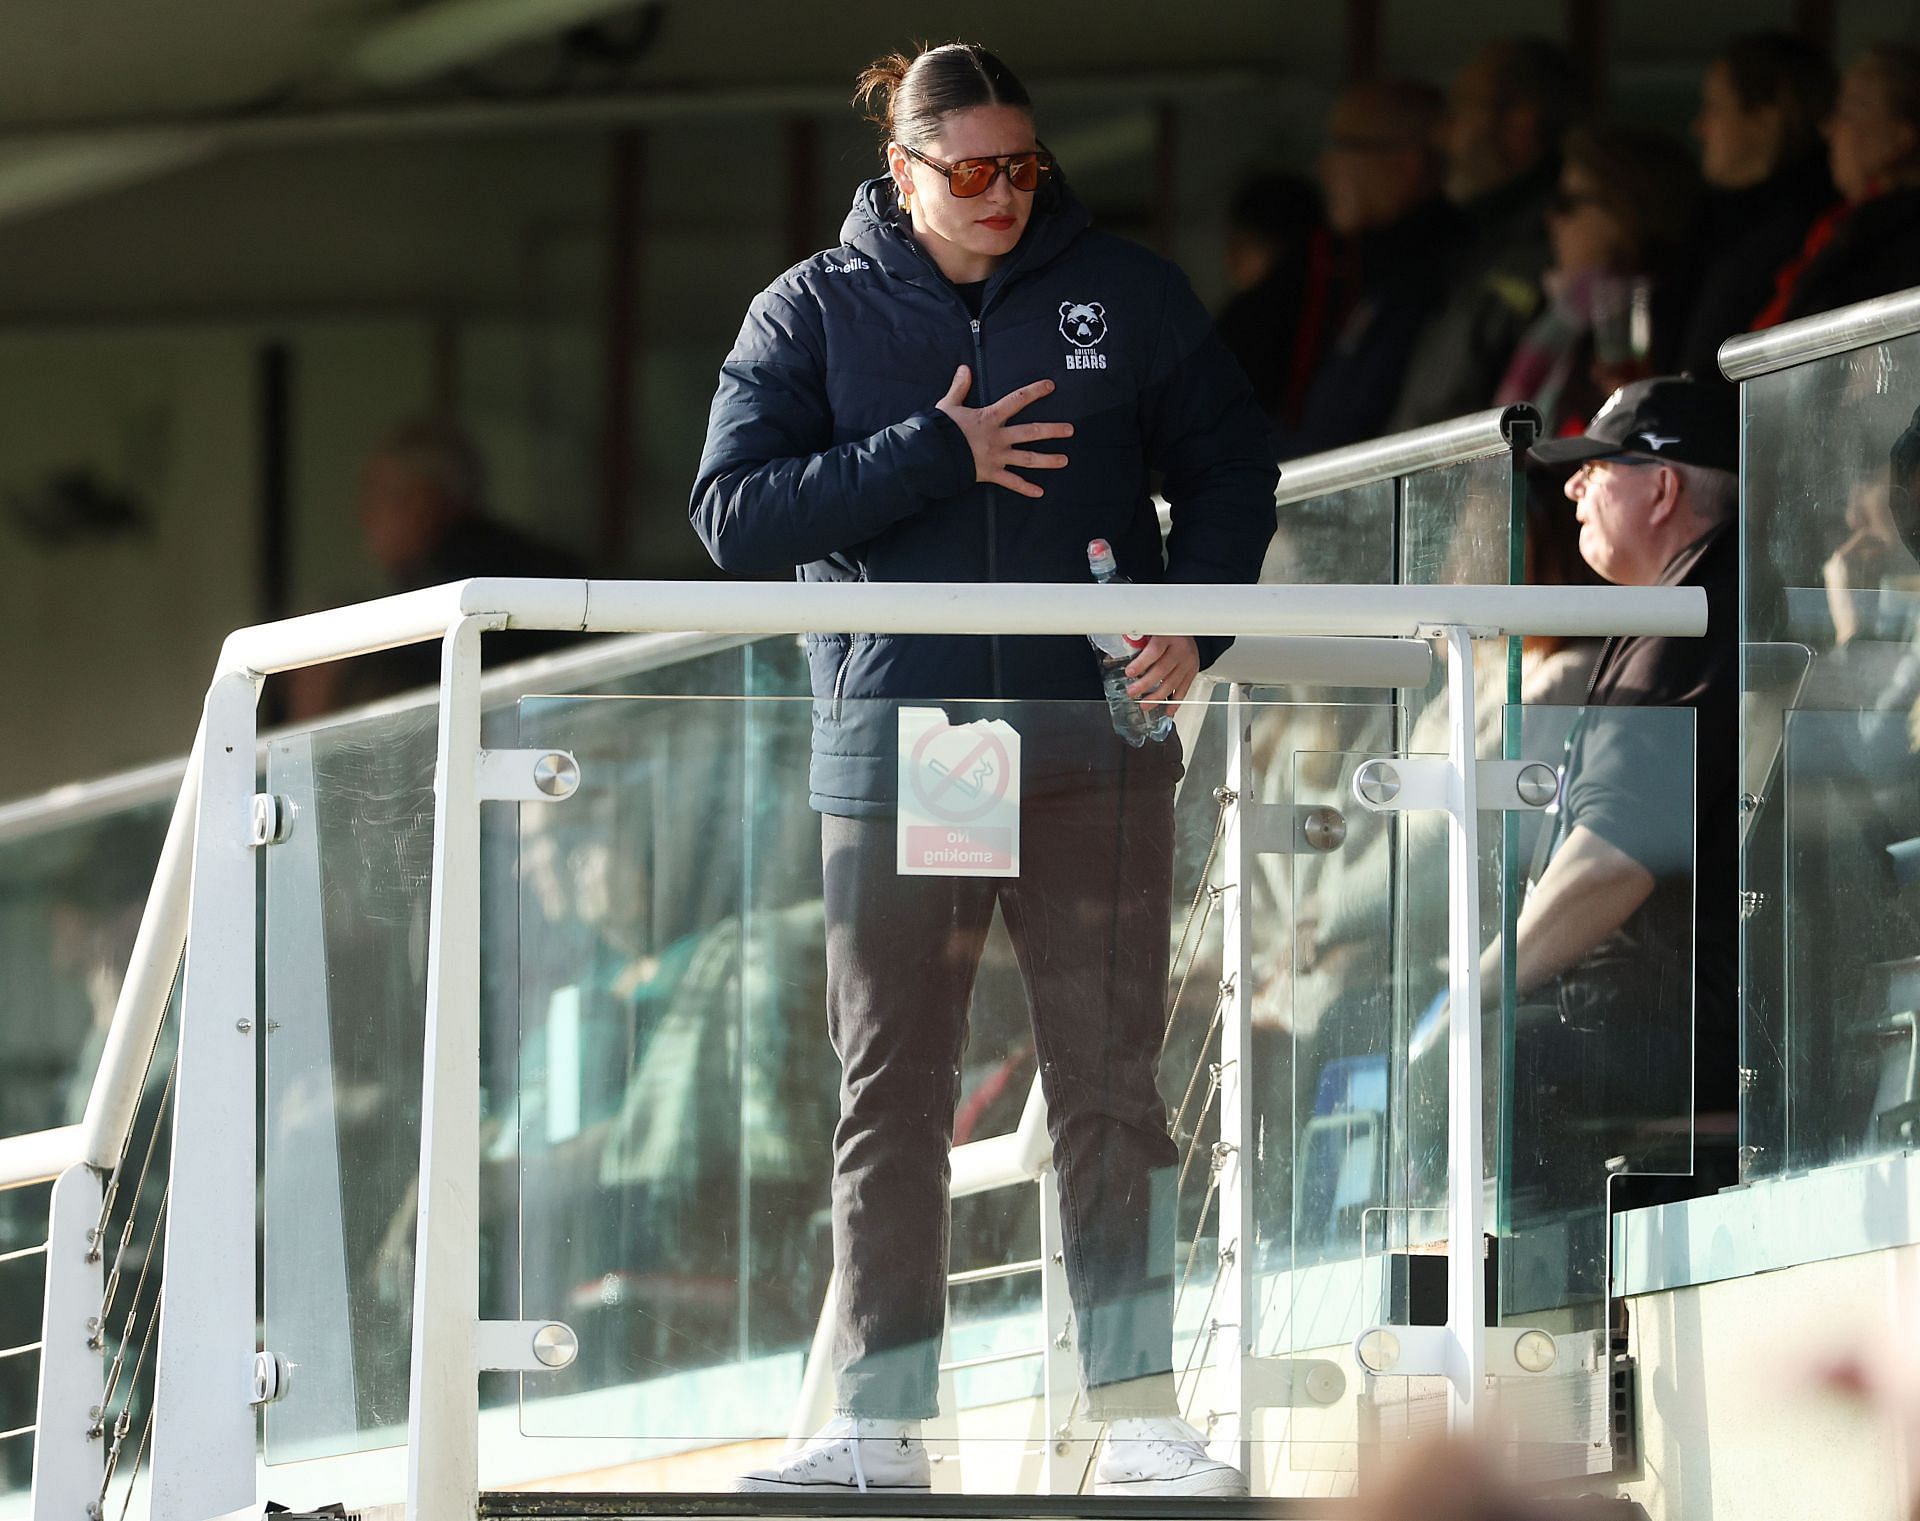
x=971, y=387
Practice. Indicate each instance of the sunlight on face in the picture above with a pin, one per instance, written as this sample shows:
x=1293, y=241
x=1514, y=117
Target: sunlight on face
x=1613, y=502
x=968, y=236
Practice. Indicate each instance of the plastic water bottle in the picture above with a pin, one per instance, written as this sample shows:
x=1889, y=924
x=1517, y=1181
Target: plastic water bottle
x=1131, y=721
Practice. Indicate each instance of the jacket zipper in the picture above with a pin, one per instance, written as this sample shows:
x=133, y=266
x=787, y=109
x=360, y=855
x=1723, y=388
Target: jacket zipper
x=840, y=680
x=993, y=568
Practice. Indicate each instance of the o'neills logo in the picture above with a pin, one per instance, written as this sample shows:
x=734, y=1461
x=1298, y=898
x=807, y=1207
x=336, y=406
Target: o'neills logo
x=1084, y=324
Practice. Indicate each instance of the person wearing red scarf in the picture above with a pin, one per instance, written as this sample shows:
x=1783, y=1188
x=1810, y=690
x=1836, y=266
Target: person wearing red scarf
x=1869, y=244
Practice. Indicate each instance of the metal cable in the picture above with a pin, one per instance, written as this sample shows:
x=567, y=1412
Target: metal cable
x=18, y=1431
x=1193, y=1143
x=146, y=1430
x=1199, y=1229
x=133, y=1308
x=1193, y=1078
x=113, y=1178
x=25, y=1251
x=124, y=1422
x=133, y=1204
x=1206, y=1312
x=1205, y=895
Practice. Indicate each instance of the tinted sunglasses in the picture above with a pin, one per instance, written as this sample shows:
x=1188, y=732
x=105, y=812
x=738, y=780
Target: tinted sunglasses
x=968, y=177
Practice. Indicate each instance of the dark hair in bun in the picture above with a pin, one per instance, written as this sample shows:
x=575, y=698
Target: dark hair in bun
x=907, y=97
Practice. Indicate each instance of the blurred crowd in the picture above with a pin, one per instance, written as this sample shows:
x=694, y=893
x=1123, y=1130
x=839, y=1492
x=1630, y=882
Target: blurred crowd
x=1495, y=243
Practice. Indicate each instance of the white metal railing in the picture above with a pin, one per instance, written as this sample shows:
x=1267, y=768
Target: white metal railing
x=204, y=902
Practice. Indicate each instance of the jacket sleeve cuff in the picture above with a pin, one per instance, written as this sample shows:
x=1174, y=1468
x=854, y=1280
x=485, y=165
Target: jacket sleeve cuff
x=1212, y=647
x=943, y=459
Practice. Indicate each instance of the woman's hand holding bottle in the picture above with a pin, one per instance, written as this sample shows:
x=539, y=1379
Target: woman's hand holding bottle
x=996, y=442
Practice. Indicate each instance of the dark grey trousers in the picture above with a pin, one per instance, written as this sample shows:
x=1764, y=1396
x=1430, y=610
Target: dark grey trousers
x=1089, y=918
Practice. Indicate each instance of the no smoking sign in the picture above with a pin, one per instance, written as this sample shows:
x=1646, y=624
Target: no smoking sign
x=959, y=797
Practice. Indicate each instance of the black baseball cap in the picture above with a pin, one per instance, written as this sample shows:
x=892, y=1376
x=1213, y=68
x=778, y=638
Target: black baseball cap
x=1671, y=417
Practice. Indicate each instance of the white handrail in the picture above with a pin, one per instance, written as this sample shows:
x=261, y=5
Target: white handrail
x=1282, y=623
x=1386, y=613
x=812, y=607
x=37, y=1157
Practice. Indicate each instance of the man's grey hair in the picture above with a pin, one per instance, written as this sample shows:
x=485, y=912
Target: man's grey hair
x=439, y=452
x=1713, y=495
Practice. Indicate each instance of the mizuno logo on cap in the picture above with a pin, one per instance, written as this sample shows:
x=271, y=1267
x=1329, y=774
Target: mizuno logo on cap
x=1658, y=441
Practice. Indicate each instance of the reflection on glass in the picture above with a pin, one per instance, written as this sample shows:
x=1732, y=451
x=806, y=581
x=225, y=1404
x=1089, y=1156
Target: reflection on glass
x=1601, y=1048
x=346, y=907
x=1831, y=644
x=675, y=1061
x=70, y=902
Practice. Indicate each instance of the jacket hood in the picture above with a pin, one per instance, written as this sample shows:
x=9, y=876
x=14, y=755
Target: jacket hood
x=876, y=228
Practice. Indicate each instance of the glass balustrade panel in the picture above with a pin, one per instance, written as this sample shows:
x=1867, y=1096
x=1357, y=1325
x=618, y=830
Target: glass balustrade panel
x=1830, y=591
x=71, y=895
x=1624, y=1004
x=346, y=912
x=680, y=1101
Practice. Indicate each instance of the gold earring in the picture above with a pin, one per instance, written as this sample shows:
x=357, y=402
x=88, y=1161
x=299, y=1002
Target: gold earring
x=906, y=200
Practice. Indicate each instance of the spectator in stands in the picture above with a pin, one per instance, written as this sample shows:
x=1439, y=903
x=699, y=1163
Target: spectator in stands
x=1606, y=930
x=1279, y=259
x=423, y=519
x=1381, y=172
x=1762, y=104
x=423, y=515
x=1507, y=113
x=1869, y=244
x=1624, y=226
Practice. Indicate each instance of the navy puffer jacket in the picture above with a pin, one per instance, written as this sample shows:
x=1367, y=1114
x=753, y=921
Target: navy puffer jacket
x=825, y=452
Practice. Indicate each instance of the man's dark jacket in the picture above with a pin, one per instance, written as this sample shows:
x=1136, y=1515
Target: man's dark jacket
x=1752, y=234
x=1402, y=272
x=825, y=452
x=1493, y=294
x=1875, y=253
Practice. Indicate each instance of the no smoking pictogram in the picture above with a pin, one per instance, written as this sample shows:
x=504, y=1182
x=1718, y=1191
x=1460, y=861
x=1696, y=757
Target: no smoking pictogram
x=959, y=777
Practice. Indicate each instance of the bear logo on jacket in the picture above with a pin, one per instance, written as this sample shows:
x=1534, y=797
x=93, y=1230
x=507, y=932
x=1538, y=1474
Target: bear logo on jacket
x=1083, y=324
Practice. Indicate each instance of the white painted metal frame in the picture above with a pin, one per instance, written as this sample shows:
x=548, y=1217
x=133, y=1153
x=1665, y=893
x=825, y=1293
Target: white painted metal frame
x=204, y=1425
x=67, y=1459
x=443, y=1407
x=204, y=1436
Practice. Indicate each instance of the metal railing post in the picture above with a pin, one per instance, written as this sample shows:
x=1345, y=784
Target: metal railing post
x=1234, y=1343
x=1064, y=1459
x=67, y=1459
x=443, y=1402
x=1466, y=1280
x=204, y=1427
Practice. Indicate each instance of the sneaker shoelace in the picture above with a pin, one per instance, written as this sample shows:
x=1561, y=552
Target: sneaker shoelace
x=848, y=1429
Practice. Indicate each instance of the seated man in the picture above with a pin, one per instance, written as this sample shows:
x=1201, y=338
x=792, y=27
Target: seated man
x=1606, y=943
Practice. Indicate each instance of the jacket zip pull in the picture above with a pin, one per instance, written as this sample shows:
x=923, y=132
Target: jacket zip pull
x=993, y=567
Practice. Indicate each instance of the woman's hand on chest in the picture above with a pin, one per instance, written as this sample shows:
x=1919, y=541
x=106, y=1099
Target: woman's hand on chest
x=999, y=443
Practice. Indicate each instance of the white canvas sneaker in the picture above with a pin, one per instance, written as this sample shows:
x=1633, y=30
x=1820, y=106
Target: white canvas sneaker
x=1162, y=1456
x=871, y=1457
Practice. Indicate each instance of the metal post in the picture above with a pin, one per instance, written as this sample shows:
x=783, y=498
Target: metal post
x=443, y=1415
x=1466, y=1283
x=203, y=1434
x=67, y=1460
x=1066, y=1453
x=1235, y=1344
